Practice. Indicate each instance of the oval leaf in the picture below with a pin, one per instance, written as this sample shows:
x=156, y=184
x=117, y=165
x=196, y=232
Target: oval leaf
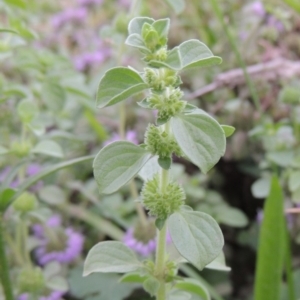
x=136, y=24
x=229, y=130
x=196, y=54
x=117, y=163
x=110, y=257
x=200, y=137
x=219, y=264
x=50, y=148
x=194, y=287
x=196, y=236
x=118, y=84
x=135, y=40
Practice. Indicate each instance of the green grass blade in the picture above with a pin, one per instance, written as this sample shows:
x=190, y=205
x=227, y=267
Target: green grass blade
x=271, y=247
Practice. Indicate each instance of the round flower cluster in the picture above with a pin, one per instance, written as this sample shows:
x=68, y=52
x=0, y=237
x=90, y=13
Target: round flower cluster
x=160, y=143
x=162, y=204
x=56, y=243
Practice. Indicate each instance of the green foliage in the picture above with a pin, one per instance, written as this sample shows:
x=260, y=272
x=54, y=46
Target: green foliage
x=110, y=257
x=194, y=287
x=271, y=246
x=177, y=5
x=196, y=236
x=48, y=147
x=117, y=85
x=116, y=164
x=200, y=138
x=25, y=203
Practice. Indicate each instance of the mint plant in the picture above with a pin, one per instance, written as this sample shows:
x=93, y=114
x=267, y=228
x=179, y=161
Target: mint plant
x=181, y=129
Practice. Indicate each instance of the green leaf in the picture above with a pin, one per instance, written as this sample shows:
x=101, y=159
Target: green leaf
x=116, y=164
x=133, y=278
x=271, y=247
x=27, y=110
x=52, y=194
x=151, y=286
x=178, y=295
x=294, y=4
x=136, y=24
x=58, y=283
x=48, y=147
x=196, y=236
x=5, y=197
x=200, y=137
x=229, y=130
x=230, y=216
x=165, y=162
x=177, y=5
x=98, y=286
x=135, y=40
x=110, y=257
x=8, y=30
x=281, y=158
x=53, y=95
x=150, y=168
x=3, y=150
x=162, y=27
x=294, y=181
x=219, y=263
x=261, y=187
x=173, y=60
x=193, y=53
x=194, y=287
x=47, y=171
x=118, y=84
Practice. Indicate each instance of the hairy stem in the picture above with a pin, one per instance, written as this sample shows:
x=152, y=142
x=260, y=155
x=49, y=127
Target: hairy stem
x=4, y=271
x=161, y=238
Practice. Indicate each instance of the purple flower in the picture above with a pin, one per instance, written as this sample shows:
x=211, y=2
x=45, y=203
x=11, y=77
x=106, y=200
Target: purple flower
x=131, y=136
x=85, y=60
x=31, y=170
x=52, y=295
x=258, y=8
x=275, y=23
x=144, y=249
x=141, y=247
x=62, y=245
x=70, y=15
x=89, y=2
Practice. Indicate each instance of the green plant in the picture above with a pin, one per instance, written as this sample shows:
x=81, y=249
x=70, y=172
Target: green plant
x=181, y=129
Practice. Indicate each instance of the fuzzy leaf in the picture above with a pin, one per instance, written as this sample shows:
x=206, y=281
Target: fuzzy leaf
x=229, y=130
x=151, y=285
x=27, y=110
x=133, y=278
x=261, y=187
x=110, y=257
x=136, y=24
x=193, y=53
x=135, y=40
x=117, y=163
x=177, y=5
x=50, y=148
x=219, y=264
x=162, y=27
x=196, y=236
x=200, y=137
x=118, y=84
x=194, y=287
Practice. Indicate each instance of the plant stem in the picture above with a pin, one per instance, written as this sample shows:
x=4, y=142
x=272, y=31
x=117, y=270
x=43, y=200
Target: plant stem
x=139, y=208
x=4, y=271
x=161, y=238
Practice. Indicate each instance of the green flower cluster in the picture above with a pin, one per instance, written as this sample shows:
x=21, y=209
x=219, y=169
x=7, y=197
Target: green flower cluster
x=159, y=79
x=167, y=105
x=31, y=280
x=160, y=143
x=162, y=204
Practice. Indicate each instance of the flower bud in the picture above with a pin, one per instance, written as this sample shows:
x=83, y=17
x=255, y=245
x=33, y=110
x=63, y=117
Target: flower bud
x=162, y=204
x=25, y=203
x=31, y=280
